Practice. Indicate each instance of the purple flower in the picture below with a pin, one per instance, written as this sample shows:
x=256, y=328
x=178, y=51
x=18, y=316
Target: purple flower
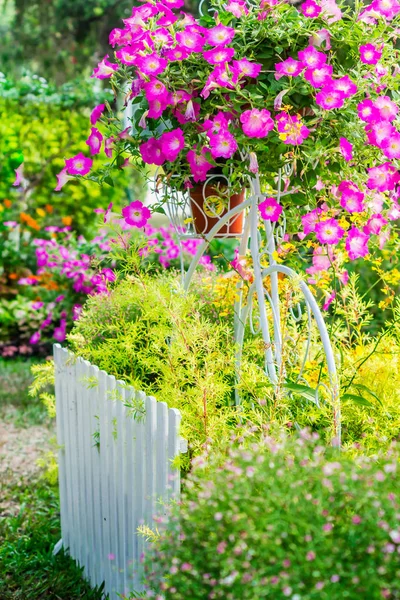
x=328, y=231
x=357, y=243
x=96, y=113
x=94, y=141
x=35, y=338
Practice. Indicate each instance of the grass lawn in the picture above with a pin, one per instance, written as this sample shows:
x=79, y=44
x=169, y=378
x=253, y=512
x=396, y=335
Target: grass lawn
x=29, y=507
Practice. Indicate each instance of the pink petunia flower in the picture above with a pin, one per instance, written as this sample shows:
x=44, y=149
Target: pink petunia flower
x=312, y=58
x=136, y=214
x=217, y=56
x=127, y=56
x=328, y=301
x=329, y=100
x=391, y=146
x=328, y=232
x=319, y=76
x=370, y=54
x=78, y=165
x=383, y=178
x=310, y=9
x=270, y=210
x=177, y=54
x=375, y=224
x=97, y=113
x=35, y=338
x=330, y=11
x=288, y=68
x=151, y=152
x=367, y=111
x=220, y=35
x=256, y=123
x=106, y=212
x=105, y=69
x=246, y=68
x=108, y=144
x=151, y=64
x=94, y=141
x=172, y=142
x=199, y=165
x=346, y=148
x=190, y=39
x=309, y=220
x=386, y=108
x=238, y=8
x=223, y=144
x=291, y=129
x=62, y=179
x=320, y=37
x=357, y=243
x=351, y=197
x=344, y=85
x=155, y=90
x=253, y=166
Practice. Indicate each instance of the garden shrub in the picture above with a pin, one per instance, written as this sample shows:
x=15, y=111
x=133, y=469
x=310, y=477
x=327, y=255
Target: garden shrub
x=152, y=335
x=288, y=518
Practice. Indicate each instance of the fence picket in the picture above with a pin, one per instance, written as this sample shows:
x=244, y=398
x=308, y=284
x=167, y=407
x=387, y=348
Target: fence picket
x=114, y=465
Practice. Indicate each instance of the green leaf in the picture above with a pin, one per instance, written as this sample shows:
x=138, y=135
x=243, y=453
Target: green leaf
x=364, y=388
x=357, y=399
x=302, y=390
x=109, y=180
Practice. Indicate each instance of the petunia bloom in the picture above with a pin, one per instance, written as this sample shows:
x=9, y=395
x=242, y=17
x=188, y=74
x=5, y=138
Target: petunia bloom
x=288, y=68
x=237, y=7
x=78, y=165
x=328, y=231
x=270, y=210
x=136, y=214
x=346, y=149
x=96, y=113
x=217, y=56
x=105, y=69
x=312, y=58
x=246, y=68
x=199, y=165
x=223, y=144
x=375, y=224
x=220, y=35
x=256, y=123
x=383, y=178
x=94, y=141
x=319, y=76
x=329, y=100
x=370, y=54
x=351, y=197
x=172, y=142
x=62, y=179
x=310, y=9
x=357, y=243
x=151, y=152
x=151, y=64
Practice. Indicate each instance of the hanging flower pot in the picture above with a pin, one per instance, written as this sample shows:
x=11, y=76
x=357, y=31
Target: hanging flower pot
x=209, y=204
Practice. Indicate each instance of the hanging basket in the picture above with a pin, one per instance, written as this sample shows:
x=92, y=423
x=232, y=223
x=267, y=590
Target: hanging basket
x=209, y=204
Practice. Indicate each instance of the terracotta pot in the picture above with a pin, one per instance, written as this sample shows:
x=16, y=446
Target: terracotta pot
x=208, y=208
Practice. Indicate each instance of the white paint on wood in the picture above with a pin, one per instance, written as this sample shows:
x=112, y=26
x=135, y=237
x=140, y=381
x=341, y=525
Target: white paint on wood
x=115, y=470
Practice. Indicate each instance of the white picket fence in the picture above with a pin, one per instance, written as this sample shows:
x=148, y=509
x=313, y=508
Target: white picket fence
x=116, y=448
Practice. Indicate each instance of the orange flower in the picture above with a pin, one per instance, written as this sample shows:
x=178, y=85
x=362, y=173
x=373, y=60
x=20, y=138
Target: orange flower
x=67, y=220
x=13, y=276
x=24, y=217
x=7, y=203
x=49, y=208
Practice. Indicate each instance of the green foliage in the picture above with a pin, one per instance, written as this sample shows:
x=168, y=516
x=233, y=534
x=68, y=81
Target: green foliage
x=153, y=336
x=287, y=519
x=57, y=37
x=41, y=136
x=29, y=571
